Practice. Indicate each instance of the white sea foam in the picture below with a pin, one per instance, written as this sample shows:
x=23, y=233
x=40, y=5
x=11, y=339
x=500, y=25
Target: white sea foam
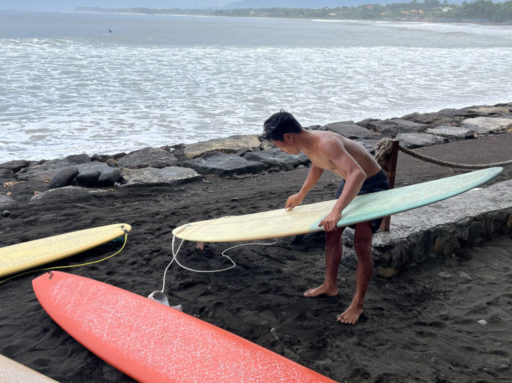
x=503, y=31
x=61, y=96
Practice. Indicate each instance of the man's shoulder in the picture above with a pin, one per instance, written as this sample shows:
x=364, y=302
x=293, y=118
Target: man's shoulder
x=330, y=140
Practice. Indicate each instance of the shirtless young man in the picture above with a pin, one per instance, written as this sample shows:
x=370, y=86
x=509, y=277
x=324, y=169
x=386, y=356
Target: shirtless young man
x=361, y=174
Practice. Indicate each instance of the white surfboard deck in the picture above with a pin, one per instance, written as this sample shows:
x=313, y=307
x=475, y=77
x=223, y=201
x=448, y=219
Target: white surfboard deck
x=305, y=218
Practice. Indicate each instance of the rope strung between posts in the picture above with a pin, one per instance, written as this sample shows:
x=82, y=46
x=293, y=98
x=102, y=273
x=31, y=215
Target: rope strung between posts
x=385, y=145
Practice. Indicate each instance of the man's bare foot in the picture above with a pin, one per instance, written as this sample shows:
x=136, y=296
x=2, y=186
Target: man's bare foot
x=323, y=289
x=350, y=315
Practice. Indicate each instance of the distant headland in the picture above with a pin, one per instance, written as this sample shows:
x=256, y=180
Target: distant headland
x=480, y=11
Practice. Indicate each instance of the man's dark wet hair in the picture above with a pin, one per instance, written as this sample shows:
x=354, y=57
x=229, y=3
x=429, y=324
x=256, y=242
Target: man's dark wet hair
x=278, y=125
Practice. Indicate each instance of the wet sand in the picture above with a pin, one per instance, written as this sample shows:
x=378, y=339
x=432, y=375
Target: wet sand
x=422, y=325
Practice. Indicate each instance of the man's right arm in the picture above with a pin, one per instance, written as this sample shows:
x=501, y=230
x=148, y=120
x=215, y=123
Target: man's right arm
x=313, y=176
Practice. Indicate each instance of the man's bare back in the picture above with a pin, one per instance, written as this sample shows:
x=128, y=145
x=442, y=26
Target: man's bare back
x=354, y=149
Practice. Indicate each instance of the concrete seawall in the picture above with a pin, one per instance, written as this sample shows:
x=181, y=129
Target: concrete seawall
x=441, y=229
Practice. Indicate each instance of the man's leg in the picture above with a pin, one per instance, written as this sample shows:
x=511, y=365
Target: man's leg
x=332, y=263
x=363, y=245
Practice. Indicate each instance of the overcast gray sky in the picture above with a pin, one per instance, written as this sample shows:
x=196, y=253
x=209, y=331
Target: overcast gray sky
x=71, y=4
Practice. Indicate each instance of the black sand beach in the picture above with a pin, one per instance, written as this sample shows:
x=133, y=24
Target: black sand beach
x=420, y=326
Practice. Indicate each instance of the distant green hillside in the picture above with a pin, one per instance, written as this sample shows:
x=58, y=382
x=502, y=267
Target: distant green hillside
x=431, y=10
x=484, y=11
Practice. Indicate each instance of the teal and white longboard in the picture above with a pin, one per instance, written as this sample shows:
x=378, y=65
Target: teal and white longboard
x=305, y=218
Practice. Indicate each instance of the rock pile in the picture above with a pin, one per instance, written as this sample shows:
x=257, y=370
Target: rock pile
x=241, y=155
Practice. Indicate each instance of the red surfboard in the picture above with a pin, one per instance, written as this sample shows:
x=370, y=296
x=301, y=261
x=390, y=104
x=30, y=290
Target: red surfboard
x=154, y=343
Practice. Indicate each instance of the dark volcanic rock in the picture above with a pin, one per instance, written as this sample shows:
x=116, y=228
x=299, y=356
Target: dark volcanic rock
x=87, y=178
x=351, y=130
x=229, y=145
x=78, y=159
x=225, y=165
x=417, y=140
x=452, y=132
x=151, y=176
x=63, y=178
x=444, y=117
x=488, y=125
x=6, y=175
x=364, y=123
x=500, y=110
x=148, y=157
x=96, y=174
x=112, y=158
x=15, y=166
x=109, y=177
x=276, y=158
x=47, y=170
x=392, y=127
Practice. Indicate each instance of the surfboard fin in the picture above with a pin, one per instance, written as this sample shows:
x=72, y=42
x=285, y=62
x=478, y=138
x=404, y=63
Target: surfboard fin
x=160, y=297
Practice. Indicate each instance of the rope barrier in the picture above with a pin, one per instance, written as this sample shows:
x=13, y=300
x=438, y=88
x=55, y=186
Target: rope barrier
x=384, y=147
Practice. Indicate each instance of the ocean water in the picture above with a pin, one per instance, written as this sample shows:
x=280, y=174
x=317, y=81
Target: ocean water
x=106, y=83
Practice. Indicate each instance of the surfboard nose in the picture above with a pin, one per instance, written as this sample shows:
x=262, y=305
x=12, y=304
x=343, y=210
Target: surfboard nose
x=43, y=281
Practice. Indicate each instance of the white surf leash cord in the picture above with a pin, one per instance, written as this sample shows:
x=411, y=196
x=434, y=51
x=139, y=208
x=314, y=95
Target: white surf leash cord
x=233, y=264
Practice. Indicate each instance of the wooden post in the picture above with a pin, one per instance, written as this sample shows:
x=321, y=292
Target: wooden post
x=389, y=168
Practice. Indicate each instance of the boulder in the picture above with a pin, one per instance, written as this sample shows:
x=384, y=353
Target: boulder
x=78, y=158
x=443, y=117
x=409, y=126
x=96, y=174
x=46, y=170
x=384, y=127
x=391, y=127
x=6, y=175
x=225, y=165
x=452, y=132
x=101, y=157
x=87, y=178
x=267, y=145
x=427, y=118
x=92, y=174
x=458, y=113
x=350, y=130
x=417, y=140
x=488, y=125
x=233, y=144
x=276, y=158
x=15, y=166
x=109, y=177
x=107, y=157
x=171, y=175
x=496, y=111
x=63, y=178
x=148, y=157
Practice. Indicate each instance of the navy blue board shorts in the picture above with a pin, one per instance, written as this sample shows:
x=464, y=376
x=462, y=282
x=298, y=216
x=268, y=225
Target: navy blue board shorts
x=373, y=184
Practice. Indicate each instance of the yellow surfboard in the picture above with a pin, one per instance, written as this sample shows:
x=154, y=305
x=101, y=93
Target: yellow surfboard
x=305, y=218
x=12, y=371
x=26, y=255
